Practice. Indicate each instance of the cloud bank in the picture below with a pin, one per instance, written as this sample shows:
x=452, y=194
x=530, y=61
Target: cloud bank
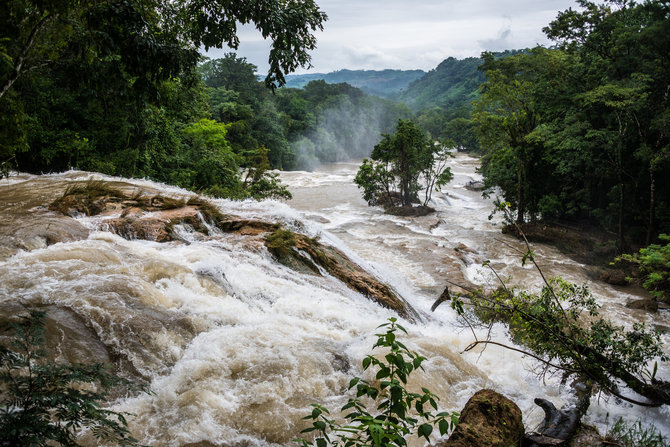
x=410, y=34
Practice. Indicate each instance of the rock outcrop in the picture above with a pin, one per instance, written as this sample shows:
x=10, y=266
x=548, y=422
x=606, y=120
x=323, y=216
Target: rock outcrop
x=488, y=419
x=474, y=185
x=158, y=218
x=616, y=277
x=308, y=255
x=648, y=305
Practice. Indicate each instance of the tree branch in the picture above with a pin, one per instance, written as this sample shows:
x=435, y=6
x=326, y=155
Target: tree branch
x=20, y=60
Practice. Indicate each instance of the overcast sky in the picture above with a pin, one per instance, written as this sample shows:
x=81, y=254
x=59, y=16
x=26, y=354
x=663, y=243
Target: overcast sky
x=410, y=34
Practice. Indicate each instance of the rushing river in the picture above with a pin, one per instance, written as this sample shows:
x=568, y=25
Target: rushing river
x=236, y=347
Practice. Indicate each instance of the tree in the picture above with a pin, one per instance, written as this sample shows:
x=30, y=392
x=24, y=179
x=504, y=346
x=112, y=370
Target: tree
x=398, y=413
x=391, y=175
x=113, y=58
x=506, y=115
x=290, y=25
x=44, y=402
x=580, y=131
x=562, y=328
x=37, y=31
x=438, y=173
x=624, y=48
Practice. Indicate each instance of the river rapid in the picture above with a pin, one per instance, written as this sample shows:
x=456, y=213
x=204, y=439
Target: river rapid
x=235, y=346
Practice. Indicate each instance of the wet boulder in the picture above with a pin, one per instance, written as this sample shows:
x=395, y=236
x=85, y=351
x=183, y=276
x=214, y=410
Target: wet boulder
x=308, y=255
x=615, y=277
x=648, y=305
x=474, y=185
x=488, y=419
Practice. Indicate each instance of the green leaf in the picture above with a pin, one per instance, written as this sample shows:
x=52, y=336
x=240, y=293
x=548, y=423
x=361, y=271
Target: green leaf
x=366, y=363
x=424, y=430
x=443, y=426
x=382, y=373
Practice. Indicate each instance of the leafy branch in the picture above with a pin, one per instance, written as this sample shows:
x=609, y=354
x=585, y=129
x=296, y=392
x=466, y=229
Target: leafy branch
x=399, y=413
x=561, y=327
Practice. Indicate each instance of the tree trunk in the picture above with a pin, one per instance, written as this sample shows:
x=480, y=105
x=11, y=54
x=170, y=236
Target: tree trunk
x=620, y=242
x=19, y=63
x=651, y=230
x=521, y=200
x=560, y=425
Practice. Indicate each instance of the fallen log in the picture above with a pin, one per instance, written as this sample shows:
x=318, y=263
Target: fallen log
x=559, y=426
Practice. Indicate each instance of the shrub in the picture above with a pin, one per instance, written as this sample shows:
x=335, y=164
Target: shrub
x=635, y=435
x=399, y=412
x=42, y=403
x=654, y=262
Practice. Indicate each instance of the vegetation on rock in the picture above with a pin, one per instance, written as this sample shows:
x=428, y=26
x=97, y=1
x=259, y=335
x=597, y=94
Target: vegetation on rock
x=636, y=434
x=308, y=255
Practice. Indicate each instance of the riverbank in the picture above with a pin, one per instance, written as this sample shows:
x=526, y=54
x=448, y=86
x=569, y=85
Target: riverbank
x=585, y=244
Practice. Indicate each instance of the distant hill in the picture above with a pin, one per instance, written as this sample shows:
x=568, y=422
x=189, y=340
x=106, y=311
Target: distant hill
x=384, y=83
x=452, y=83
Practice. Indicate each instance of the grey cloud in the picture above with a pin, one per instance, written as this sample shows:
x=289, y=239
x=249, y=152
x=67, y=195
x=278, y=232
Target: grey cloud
x=378, y=34
x=502, y=42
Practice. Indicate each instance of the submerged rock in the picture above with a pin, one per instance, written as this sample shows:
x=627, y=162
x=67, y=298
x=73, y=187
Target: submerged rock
x=648, y=305
x=474, y=185
x=409, y=211
x=615, y=277
x=308, y=255
x=587, y=436
x=488, y=419
x=155, y=217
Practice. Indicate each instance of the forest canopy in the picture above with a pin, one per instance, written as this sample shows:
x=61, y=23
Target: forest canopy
x=582, y=131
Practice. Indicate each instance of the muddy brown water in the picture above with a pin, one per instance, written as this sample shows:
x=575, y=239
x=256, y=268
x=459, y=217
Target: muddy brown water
x=234, y=346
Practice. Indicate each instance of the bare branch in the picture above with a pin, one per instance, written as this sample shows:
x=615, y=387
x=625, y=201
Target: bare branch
x=490, y=342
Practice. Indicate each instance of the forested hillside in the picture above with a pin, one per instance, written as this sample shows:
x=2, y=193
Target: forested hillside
x=299, y=127
x=453, y=83
x=384, y=83
x=582, y=132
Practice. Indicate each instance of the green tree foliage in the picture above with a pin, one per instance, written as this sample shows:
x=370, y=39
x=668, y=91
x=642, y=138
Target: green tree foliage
x=289, y=24
x=561, y=326
x=237, y=97
x=581, y=131
x=508, y=117
x=451, y=84
x=392, y=174
x=398, y=413
x=299, y=128
x=111, y=85
x=44, y=403
x=654, y=263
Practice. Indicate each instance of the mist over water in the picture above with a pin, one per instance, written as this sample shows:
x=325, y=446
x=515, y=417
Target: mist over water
x=235, y=346
x=344, y=131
